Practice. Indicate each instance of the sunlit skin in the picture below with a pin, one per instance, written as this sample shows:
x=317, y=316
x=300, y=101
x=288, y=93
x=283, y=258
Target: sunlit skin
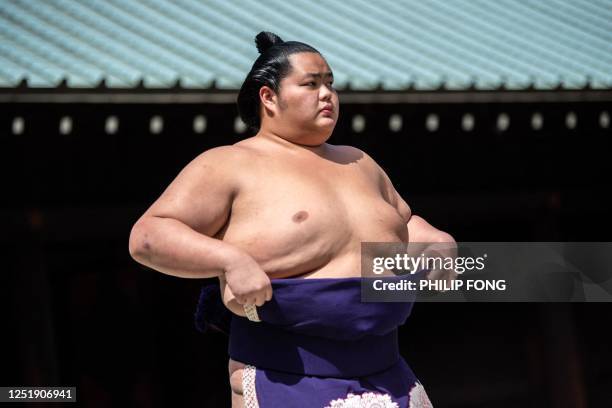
x=283, y=203
x=295, y=115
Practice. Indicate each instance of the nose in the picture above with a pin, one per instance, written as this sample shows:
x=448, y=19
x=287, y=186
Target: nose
x=325, y=93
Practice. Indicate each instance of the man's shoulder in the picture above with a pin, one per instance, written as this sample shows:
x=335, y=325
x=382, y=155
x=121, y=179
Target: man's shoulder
x=357, y=155
x=226, y=156
x=220, y=164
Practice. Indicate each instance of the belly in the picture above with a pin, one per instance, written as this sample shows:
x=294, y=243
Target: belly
x=314, y=241
x=308, y=240
x=293, y=240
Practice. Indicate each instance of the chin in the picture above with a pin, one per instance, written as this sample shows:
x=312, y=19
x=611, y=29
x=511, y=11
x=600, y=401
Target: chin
x=317, y=140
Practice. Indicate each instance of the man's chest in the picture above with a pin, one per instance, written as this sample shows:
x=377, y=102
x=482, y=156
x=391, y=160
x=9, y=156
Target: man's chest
x=304, y=204
x=295, y=220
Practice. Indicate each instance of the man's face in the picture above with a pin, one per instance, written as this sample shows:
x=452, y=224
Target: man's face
x=304, y=92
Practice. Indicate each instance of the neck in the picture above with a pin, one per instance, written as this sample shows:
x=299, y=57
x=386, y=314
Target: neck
x=289, y=144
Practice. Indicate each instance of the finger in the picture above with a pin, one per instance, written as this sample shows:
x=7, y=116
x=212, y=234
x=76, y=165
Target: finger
x=434, y=274
x=228, y=295
x=260, y=301
x=269, y=294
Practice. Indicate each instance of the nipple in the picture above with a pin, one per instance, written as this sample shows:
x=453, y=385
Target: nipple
x=300, y=216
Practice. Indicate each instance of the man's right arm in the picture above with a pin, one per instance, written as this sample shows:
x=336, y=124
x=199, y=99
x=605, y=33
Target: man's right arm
x=174, y=236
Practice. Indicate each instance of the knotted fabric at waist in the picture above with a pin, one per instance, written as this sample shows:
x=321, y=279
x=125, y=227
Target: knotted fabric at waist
x=269, y=346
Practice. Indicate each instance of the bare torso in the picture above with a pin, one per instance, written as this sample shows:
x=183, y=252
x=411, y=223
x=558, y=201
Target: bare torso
x=300, y=214
x=306, y=215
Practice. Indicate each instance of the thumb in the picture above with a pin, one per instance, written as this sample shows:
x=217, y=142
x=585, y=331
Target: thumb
x=228, y=295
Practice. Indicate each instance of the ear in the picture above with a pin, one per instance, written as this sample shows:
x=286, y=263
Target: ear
x=268, y=99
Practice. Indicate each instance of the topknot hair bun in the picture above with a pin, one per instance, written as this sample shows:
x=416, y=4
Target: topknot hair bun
x=265, y=40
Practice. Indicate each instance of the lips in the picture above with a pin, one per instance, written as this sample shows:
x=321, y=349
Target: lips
x=328, y=108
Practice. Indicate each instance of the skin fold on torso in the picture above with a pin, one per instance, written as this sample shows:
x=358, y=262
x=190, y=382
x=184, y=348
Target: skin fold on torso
x=304, y=215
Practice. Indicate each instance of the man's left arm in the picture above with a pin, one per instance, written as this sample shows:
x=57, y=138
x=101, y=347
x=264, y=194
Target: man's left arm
x=425, y=238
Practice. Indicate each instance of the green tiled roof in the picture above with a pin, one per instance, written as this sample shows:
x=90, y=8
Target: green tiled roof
x=386, y=44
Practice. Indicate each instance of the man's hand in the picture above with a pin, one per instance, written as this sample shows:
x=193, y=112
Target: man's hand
x=442, y=251
x=244, y=282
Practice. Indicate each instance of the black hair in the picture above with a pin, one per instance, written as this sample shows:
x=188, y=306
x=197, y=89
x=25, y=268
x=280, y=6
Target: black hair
x=269, y=69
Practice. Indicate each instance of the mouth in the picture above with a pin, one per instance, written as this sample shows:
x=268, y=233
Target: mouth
x=327, y=109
